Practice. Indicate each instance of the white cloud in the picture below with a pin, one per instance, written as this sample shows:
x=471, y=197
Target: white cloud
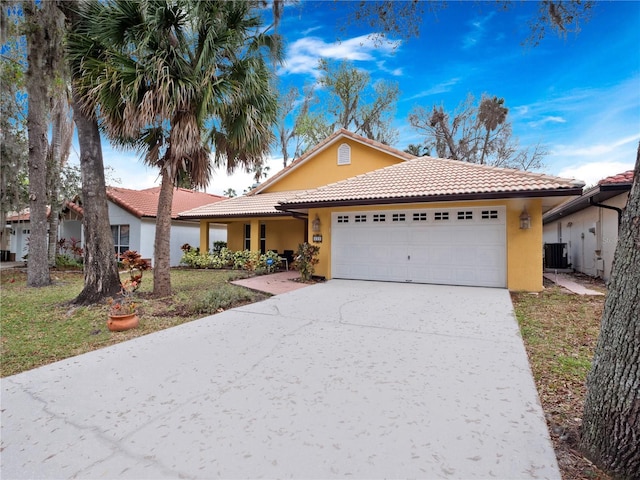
x=311, y=30
x=303, y=54
x=545, y=120
x=437, y=89
x=596, y=150
x=239, y=180
x=591, y=173
x=396, y=72
x=478, y=31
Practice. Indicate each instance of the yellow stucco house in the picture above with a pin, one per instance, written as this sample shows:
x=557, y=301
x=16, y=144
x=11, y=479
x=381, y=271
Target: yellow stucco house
x=378, y=213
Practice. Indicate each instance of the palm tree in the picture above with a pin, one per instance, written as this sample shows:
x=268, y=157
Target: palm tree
x=174, y=79
x=491, y=114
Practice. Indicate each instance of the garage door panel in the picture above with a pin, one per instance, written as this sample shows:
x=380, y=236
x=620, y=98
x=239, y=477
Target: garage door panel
x=458, y=251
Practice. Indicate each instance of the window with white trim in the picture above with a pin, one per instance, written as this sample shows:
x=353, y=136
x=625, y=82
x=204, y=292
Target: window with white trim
x=398, y=217
x=120, y=234
x=465, y=215
x=343, y=218
x=344, y=154
x=420, y=217
x=360, y=218
x=379, y=217
x=441, y=216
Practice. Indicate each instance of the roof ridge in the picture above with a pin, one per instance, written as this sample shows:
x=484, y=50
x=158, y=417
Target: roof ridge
x=503, y=169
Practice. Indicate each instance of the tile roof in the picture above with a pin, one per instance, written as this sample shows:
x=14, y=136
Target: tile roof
x=425, y=177
x=263, y=204
x=76, y=207
x=144, y=203
x=606, y=188
x=625, y=177
x=22, y=216
x=342, y=133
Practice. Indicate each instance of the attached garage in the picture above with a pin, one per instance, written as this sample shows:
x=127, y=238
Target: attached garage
x=450, y=246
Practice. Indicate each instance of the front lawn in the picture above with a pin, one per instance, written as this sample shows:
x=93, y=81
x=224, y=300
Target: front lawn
x=39, y=325
x=560, y=330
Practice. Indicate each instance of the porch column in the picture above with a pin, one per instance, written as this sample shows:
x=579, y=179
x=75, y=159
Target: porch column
x=255, y=235
x=204, y=236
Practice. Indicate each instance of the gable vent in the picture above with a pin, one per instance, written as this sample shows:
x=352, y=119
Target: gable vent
x=344, y=154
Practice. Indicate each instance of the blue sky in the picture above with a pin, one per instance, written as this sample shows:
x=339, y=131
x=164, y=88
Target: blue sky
x=579, y=95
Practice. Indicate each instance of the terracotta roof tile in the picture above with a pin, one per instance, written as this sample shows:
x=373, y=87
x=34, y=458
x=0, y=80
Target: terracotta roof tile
x=342, y=133
x=144, y=203
x=246, y=205
x=74, y=206
x=625, y=177
x=427, y=176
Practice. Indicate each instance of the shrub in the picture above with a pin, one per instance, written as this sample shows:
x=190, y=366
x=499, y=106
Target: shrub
x=219, y=245
x=305, y=260
x=190, y=257
x=65, y=261
x=223, y=297
x=225, y=258
x=135, y=265
x=269, y=262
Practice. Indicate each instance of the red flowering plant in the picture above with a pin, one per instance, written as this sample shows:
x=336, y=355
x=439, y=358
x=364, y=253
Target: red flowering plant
x=133, y=262
x=124, y=304
x=135, y=265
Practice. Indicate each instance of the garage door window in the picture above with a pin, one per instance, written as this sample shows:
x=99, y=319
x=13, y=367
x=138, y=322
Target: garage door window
x=465, y=215
x=343, y=218
x=398, y=217
x=379, y=217
x=489, y=214
x=420, y=217
x=441, y=216
x=361, y=218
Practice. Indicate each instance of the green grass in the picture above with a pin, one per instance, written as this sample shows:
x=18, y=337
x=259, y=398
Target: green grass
x=39, y=325
x=560, y=331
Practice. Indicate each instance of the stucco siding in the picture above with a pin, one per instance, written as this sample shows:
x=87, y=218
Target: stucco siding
x=591, y=236
x=323, y=168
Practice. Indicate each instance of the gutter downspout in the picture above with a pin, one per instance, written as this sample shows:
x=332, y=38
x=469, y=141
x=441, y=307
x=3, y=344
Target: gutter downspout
x=601, y=205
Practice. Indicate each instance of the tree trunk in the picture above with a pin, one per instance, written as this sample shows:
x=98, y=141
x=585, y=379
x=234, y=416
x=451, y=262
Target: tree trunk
x=162, y=244
x=37, y=41
x=101, y=277
x=611, y=419
x=53, y=188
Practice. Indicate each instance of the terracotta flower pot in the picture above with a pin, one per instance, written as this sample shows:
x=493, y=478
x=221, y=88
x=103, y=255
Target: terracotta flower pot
x=120, y=323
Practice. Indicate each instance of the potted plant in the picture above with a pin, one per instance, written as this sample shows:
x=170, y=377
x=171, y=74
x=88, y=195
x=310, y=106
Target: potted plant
x=123, y=311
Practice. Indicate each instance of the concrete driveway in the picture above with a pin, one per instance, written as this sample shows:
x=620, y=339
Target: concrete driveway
x=343, y=379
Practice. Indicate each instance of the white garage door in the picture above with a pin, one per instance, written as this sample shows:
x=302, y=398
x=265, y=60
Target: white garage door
x=452, y=246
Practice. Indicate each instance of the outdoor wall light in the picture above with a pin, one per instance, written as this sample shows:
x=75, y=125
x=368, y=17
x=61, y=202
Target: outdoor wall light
x=315, y=225
x=525, y=220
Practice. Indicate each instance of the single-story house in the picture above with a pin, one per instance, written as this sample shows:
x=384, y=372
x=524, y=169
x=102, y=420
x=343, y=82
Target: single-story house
x=378, y=213
x=582, y=233
x=132, y=215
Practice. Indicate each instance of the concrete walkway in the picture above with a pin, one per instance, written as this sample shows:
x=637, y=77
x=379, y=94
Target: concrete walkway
x=274, y=283
x=565, y=281
x=340, y=379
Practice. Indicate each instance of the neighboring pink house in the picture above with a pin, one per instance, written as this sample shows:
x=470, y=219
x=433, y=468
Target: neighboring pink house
x=132, y=215
x=584, y=230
